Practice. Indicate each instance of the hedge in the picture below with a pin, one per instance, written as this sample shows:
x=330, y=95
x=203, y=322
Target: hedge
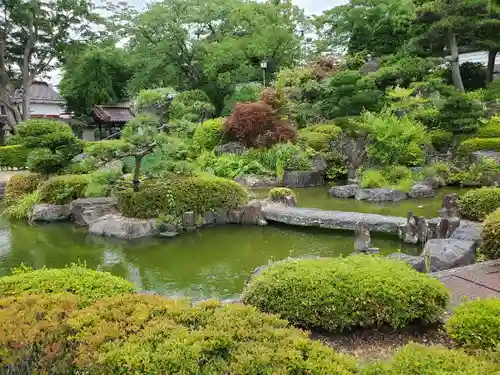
x=490, y=248
x=477, y=204
x=20, y=185
x=208, y=134
x=64, y=189
x=476, y=324
x=144, y=334
x=87, y=284
x=415, y=359
x=317, y=141
x=476, y=144
x=13, y=156
x=198, y=194
x=339, y=293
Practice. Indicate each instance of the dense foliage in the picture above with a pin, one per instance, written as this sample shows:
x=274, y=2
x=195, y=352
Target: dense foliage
x=84, y=283
x=477, y=204
x=14, y=156
x=180, y=195
x=19, y=185
x=151, y=334
x=342, y=293
x=476, y=144
x=491, y=236
x=63, y=189
x=208, y=134
x=475, y=324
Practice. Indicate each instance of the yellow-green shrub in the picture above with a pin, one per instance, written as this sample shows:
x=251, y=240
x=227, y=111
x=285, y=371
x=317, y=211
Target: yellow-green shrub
x=87, y=284
x=477, y=204
x=14, y=156
x=317, y=141
x=141, y=334
x=332, y=130
x=198, y=194
x=280, y=193
x=476, y=144
x=491, y=129
x=335, y=294
x=208, y=134
x=490, y=248
x=441, y=140
x=64, y=189
x=476, y=324
x=20, y=185
x=415, y=359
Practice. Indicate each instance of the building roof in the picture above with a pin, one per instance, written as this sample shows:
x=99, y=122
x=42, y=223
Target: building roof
x=113, y=113
x=42, y=92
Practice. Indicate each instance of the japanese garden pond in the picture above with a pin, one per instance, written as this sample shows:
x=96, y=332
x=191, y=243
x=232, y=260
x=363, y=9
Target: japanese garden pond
x=210, y=263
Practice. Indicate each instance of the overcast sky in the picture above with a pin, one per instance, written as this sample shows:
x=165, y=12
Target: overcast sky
x=310, y=7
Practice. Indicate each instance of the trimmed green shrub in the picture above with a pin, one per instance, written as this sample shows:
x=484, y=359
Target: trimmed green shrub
x=475, y=144
x=142, y=334
x=415, y=359
x=14, y=156
x=476, y=204
x=373, y=178
x=491, y=129
x=230, y=165
x=87, y=284
x=177, y=196
x=441, y=140
x=476, y=324
x=342, y=293
x=19, y=185
x=279, y=193
x=490, y=248
x=208, y=134
x=396, y=177
x=317, y=141
x=64, y=189
x=329, y=129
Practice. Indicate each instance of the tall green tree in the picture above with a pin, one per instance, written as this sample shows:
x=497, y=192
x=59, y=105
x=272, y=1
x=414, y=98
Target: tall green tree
x=33, y=36
x=194, y=44
x=98, y=74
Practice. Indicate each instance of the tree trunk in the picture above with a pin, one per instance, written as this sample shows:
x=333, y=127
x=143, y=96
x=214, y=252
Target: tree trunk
x=137, y=171
x=455, y=64
x=492, y=55
x=26, y=112
x=13, y=118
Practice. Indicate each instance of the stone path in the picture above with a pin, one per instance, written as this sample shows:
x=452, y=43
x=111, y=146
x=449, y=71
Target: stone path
x=476, y=281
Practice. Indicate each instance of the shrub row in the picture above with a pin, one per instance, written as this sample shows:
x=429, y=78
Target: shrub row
x=477, y=204
x=14, y=156
x=177, y=196
x=20, y=185
x=340, y=293
x=491, y=236
x=476, y=144
x=64, y=189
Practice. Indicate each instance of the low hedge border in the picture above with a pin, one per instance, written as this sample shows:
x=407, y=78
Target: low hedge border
x=64, y=189
x=476, y=144
x=14, y=156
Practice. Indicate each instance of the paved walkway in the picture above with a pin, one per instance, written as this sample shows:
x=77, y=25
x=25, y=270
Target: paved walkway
x=476, y=281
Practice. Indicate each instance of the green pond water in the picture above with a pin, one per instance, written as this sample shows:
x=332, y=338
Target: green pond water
x=210, y=263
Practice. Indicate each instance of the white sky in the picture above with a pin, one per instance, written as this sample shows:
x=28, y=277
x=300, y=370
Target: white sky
x=310, y=7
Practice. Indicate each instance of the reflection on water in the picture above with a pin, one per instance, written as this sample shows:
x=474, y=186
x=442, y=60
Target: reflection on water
x=213, y=262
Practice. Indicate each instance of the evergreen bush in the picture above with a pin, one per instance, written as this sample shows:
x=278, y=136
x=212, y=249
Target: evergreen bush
x=342, y=293
x=20, y=185
x=490, y=248
x=64, y=189
x=14, y=156
x=208, y=134
x=477, y=204
x=475, y=144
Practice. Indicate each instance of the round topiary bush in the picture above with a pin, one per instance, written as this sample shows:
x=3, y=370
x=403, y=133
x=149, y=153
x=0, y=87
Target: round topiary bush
x=64, y=189
x=476, y=324
x=280, y=193
x=208, y=134
x=335, y=294
x=174, y=197
x=476, y=204
x=20, y=185
x=490, y=248
x=317, y=141
x=87, y=284
x=415, y=359
x=144, y=334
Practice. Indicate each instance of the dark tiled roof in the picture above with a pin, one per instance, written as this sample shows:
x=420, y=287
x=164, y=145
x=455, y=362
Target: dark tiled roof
x=113, y=113
x=42, y=92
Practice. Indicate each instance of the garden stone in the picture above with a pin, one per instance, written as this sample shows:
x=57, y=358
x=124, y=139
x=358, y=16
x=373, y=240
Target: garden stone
x=417, y=262
x=50, y=212
x=433, y=182
x=345, y=191
x=287, y=200
x=167, y=234
x=221, y=217
x=319, y=163
x=114, y=225
x=88, y=210
x=468, y=230
x=208, y=218
x=380, y=195
x=262, y=223
x=235, y=216
x=252, y=212
x=303, y=178
x=449, y=208
x=189, y=221
x=421, y=191
x=254, y=181
x=415, y=230
x=235, y=148
x=443, y=254
x=362, y=239
x=478, y=156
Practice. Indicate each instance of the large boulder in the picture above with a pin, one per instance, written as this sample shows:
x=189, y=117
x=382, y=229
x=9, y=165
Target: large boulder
x=421, y=191
x=468, y=230
x=417, y=262
x=87, y=210
x=344, y=191
x=254, y=181
x=319, y=163
x=434, y=182
x=113, y=225
x=235, y=148
x=444, y=254
x=478, y=156
x=303, y=178
x=380, y=195
x=50, y=212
